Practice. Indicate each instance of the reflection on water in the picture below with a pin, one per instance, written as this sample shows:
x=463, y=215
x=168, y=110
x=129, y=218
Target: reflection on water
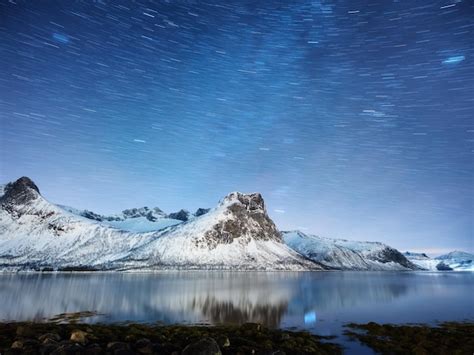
x=312, y=300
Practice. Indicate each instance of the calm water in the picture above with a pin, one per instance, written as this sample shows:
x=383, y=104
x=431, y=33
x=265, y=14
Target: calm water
x=320, y=302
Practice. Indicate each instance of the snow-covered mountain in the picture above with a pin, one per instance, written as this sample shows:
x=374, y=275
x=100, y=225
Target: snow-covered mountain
x=237, y=234
x=143, y=219
x=138, y=220
x=347, y=255
x=455, y=260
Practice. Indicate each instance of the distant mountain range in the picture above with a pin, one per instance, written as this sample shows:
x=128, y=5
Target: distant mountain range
x=455, y=260
x=236, y=235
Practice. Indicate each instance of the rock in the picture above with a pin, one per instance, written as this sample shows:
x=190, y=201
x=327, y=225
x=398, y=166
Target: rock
x=69, y=349
x=253, y=327
x=49, y=336
x=25, y=331
x=285, y=336
x=117, y=345
x=20, y=192
x=181, y=215
x=201, y=211
x=18, y=344
x=443, y=267
x=48, y=341
x=223, y=341
x=78, y=336
x=205, y=346
x=47, y=349
x=93, y=349
x=144, y=346
x=247, y=219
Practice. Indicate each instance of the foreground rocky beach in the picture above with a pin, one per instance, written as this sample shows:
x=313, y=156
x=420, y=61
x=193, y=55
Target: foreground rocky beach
x=56, y=338
x=250, y=338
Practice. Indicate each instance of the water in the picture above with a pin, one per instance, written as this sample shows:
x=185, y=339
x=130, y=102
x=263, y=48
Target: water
x=321, y=302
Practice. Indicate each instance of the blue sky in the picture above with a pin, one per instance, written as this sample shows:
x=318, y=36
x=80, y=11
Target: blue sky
x=353, y=119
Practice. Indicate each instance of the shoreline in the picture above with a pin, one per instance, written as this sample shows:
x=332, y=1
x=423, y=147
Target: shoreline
x=67, y=334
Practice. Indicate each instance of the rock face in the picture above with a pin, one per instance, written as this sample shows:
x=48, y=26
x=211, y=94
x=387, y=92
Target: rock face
x=181, y=215
x=21, y=191
x=348, y=255
x=246, y=218
x=201, y=211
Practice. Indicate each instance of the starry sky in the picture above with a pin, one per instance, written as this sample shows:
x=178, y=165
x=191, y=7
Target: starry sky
x=354, y=119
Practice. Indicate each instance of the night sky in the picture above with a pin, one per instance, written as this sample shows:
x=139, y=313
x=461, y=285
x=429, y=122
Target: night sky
x=353, y=118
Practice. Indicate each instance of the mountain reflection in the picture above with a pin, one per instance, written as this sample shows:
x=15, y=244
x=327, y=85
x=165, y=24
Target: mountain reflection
x=229, y=313
x=209, y=297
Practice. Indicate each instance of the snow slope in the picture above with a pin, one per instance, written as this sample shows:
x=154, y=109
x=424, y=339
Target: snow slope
x=138, y=220
x=455, y=260
x=238, y=234
x=347, y=255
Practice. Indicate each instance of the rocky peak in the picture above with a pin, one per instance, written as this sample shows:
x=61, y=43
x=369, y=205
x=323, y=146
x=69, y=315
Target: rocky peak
x=245, y=219
x=21, y=191
x=201, y=211
x=252, y=202
x=152, y=214
x=181, y=215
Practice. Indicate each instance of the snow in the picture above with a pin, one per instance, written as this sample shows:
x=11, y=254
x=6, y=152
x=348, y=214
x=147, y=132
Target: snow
x=142, y=224
x=340, y=253
x=41, y=234
x=456, y=260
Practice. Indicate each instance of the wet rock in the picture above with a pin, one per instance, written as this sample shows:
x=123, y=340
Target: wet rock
x=78, y=336
x=223, y=341
x=47, y=349
x=69, y=349
x=18, y=344
x=205, y=346
x=25, y=331
x=49, y=336
x=253, y=327
x=144, y=346
x=117, y=345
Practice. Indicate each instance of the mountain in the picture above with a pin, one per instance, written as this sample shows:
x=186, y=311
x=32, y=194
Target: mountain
x=237, y=234
x=141, y=219
x=455, y=260
x=347, y=255
x=424, y=261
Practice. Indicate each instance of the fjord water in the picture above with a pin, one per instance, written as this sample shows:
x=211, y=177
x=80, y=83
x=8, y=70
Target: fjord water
x=317, y=301
x=321, y=302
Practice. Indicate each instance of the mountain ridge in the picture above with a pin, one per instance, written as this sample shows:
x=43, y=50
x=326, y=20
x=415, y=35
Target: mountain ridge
x=36, y=234
x=236, y=234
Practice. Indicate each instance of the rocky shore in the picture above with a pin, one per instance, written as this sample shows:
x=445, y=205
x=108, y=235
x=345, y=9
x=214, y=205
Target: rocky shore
x=59, y=338
x=122, y=339
x=446, y=338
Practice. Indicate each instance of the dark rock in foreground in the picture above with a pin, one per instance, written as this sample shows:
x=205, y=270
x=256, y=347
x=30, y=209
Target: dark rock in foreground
x=52, y=338
x=447, y=338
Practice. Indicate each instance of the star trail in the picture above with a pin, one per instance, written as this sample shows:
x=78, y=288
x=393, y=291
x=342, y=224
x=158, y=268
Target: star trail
x=354, y=119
